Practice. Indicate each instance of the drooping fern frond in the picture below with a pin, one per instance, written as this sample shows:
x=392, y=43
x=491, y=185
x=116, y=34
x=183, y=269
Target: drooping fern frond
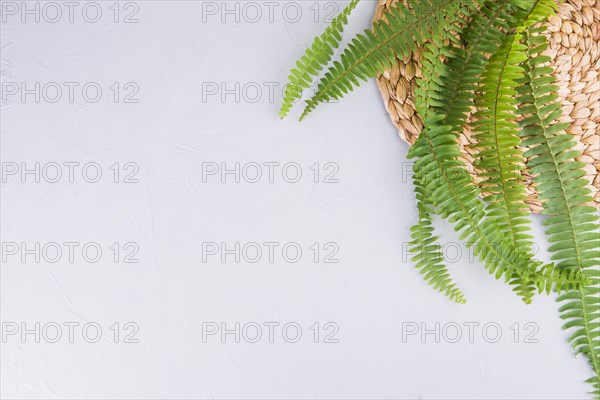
x=316, y=57
x=450, y=185
x=499, y=158
x=447, y=181
x=428, y=255
x=424, y=245
x=573, y=226
x=395, y=36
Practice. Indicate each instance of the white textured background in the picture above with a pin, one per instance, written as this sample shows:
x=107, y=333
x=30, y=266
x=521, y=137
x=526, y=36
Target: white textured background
x=175, y=51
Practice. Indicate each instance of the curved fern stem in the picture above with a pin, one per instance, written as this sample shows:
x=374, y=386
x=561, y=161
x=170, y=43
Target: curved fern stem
x=573, y=226
x=316, y=57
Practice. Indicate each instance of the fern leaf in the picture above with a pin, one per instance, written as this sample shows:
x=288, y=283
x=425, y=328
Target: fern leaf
x=449, y=183
x=375, y=51
x=428, y=255
x=452, y=190
x=315, y=58
x=499, y=158
x=573, y=226
x=425, y=246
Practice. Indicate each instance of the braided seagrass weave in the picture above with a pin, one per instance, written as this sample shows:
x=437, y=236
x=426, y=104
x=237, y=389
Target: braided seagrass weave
x=574, y=46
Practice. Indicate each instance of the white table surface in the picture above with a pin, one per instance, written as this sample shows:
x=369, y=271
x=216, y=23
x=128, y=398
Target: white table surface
x=171, y=211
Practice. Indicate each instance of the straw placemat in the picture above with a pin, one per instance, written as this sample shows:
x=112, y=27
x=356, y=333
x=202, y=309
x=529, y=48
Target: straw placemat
x=573, y=38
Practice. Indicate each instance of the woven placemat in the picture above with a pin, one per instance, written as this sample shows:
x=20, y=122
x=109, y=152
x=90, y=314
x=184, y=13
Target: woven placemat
x=573, y=38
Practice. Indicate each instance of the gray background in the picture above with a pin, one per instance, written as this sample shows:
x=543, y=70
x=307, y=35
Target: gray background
x=175, y=55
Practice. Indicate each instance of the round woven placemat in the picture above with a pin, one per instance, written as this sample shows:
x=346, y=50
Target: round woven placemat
x=573, y=38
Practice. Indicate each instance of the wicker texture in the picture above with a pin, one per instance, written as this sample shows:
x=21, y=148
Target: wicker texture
x=573, y=38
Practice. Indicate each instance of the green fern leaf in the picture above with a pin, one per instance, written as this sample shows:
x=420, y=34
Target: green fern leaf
x=573, y=226
x=450, y=185
x=499, y=158
x=428, y=255
x=425, y=246
x=375, y=51
x=315, y=58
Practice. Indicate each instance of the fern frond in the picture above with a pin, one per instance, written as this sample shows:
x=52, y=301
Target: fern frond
x=375, y=51
x=499, y=158
x=452, y=189
x=573, y=226
x=428, y=255
x=448, y=182
x=315, y=58
x=453, y=91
